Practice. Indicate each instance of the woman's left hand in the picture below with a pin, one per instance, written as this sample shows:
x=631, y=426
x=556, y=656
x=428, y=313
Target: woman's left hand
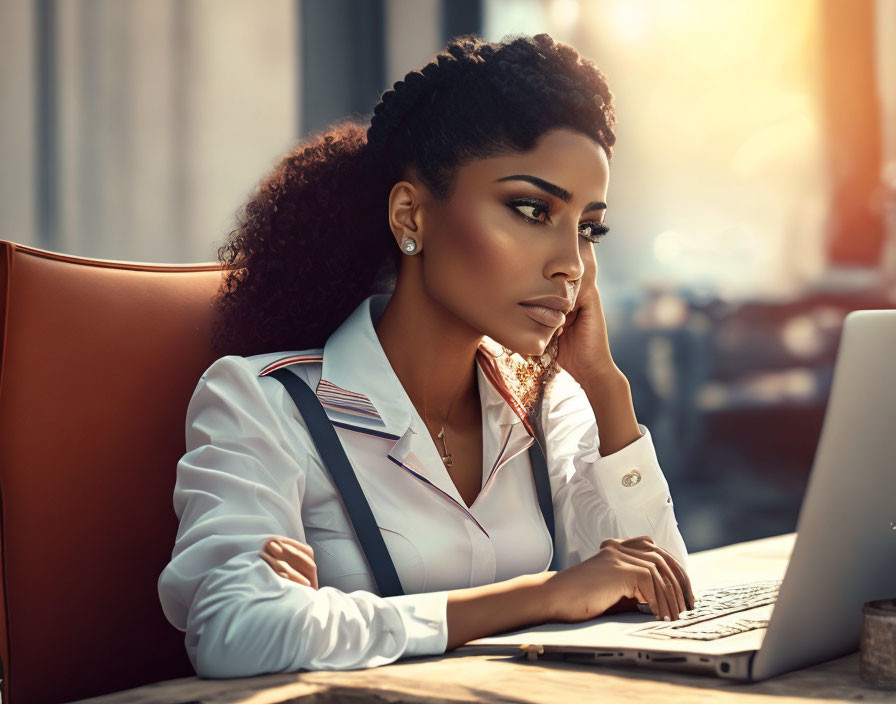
x=291, y=559
x=583, y=347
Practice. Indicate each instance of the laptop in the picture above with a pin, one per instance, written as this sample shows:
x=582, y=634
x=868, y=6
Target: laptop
x=844, y=553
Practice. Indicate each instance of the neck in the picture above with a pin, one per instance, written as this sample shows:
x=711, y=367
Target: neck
x=433, y=354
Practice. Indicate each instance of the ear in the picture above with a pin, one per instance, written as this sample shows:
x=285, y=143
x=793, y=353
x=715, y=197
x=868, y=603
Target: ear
x=404, y=212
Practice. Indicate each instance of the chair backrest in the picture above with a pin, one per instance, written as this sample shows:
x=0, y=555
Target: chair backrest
x=98, y=361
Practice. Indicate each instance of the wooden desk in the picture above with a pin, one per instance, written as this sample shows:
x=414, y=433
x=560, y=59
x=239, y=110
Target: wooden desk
x=474, y=674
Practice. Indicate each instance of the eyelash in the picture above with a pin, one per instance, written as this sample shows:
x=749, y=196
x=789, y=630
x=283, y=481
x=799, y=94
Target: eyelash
x=601, y=230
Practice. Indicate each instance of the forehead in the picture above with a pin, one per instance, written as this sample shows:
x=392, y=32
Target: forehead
x=569, y=159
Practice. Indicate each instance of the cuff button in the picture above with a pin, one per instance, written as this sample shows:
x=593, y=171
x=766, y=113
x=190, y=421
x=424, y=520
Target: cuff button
x=631, y=478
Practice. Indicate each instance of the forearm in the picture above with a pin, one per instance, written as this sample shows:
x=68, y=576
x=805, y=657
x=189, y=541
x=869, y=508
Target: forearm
x=611, y=400
x=476, y=612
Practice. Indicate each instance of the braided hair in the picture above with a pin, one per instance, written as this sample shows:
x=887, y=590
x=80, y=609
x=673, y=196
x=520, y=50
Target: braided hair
x=313, y=241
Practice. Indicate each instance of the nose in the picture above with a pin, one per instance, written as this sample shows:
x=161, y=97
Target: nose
x=566, y=259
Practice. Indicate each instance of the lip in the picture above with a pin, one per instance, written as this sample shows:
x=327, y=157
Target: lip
x=564, y=305
x=549, y=317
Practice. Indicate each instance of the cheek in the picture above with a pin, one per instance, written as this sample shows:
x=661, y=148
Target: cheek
x=474, y=252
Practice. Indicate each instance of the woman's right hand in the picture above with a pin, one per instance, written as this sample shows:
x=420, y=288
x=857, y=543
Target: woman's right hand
x=635, y=569
x=291, y=559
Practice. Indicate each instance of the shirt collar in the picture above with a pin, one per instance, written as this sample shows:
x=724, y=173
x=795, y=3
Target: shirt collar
x=360, y=390
x=359, y=387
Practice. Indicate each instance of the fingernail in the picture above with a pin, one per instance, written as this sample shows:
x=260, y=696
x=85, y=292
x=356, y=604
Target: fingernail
x=665, y=618
x=275, y=547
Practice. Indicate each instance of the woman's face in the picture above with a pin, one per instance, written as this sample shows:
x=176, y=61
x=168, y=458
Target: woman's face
x=482, y=256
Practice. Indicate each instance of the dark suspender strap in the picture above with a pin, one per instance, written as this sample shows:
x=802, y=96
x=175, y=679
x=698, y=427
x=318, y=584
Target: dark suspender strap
x=331, y=451
x=543, y=490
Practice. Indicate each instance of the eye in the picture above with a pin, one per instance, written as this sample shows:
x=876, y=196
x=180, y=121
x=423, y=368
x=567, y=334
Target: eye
x=594, y=230
x=535, y=206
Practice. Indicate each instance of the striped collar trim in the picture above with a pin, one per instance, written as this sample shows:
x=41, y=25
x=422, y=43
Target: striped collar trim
x=292, y=359
x=330, y=395
x=358, y=405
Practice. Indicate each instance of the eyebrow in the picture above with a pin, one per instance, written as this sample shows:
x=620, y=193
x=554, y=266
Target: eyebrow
x=553, y=189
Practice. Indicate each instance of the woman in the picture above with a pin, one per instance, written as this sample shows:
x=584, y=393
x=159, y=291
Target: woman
x=433, y=280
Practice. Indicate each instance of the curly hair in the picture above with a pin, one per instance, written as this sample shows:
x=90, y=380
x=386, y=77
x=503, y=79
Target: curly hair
x=313, y=241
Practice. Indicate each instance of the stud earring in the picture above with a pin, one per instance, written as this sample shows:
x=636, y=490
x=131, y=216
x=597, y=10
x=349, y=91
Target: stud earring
x=409, y=245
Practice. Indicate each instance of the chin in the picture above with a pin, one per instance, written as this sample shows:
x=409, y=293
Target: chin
x=532, y=345
x=522, y=335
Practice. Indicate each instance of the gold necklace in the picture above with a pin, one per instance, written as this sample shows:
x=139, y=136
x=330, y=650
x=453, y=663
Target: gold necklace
x=446, y=456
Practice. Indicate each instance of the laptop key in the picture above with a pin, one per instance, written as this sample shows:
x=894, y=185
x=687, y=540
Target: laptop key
x=707, y=621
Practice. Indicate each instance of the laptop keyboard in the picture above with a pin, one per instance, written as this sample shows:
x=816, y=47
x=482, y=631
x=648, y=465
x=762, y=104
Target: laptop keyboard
x=714, y=613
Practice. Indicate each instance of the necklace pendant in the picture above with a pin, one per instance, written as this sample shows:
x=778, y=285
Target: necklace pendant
x=446, y=457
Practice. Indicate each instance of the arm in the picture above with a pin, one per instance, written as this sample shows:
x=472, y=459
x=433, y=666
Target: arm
x=610, y=397
x=476, y=612
x=620, y=491
x=240, y=482
x=471, y=613
x=590, y=505
x=591, y=500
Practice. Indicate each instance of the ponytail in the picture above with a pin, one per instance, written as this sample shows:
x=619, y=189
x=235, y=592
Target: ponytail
x=310, y=245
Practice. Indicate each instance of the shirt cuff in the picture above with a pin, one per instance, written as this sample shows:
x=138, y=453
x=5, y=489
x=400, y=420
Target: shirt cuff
x=629, y=477
x=425, y=618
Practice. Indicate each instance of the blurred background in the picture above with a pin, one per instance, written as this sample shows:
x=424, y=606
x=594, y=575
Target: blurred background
x=752, y=193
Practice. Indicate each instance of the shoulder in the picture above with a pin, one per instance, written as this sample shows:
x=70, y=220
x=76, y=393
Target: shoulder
x=261, y=365
x=234, y=393
x=241, y=380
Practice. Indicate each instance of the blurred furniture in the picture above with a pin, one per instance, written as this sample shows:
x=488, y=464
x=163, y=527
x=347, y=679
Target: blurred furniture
x=98, y=361
x=476, y=674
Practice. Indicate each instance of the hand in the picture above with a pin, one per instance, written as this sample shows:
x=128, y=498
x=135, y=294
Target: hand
x=635, y=569
x=583, y=347
x=291, y=559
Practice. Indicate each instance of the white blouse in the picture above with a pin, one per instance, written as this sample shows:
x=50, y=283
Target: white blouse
x=251, y=472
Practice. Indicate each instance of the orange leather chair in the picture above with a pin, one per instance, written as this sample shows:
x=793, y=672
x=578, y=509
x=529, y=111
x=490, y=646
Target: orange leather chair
x=98, y=361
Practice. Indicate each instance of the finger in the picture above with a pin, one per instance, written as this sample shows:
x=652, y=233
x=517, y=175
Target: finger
x=648, y=597
x=295, y=576
x=291, y=551
x=664, y=598
x=645, y=595
x=297, y=560
x=662, y=560
x=275, y=565
x=290, y=542
x=683, y=579
x=300, y=559
x=663, y=602
x=670, y=582
x=651, y=588
x=282, y=569
x=301, y=552
x=681, y=574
